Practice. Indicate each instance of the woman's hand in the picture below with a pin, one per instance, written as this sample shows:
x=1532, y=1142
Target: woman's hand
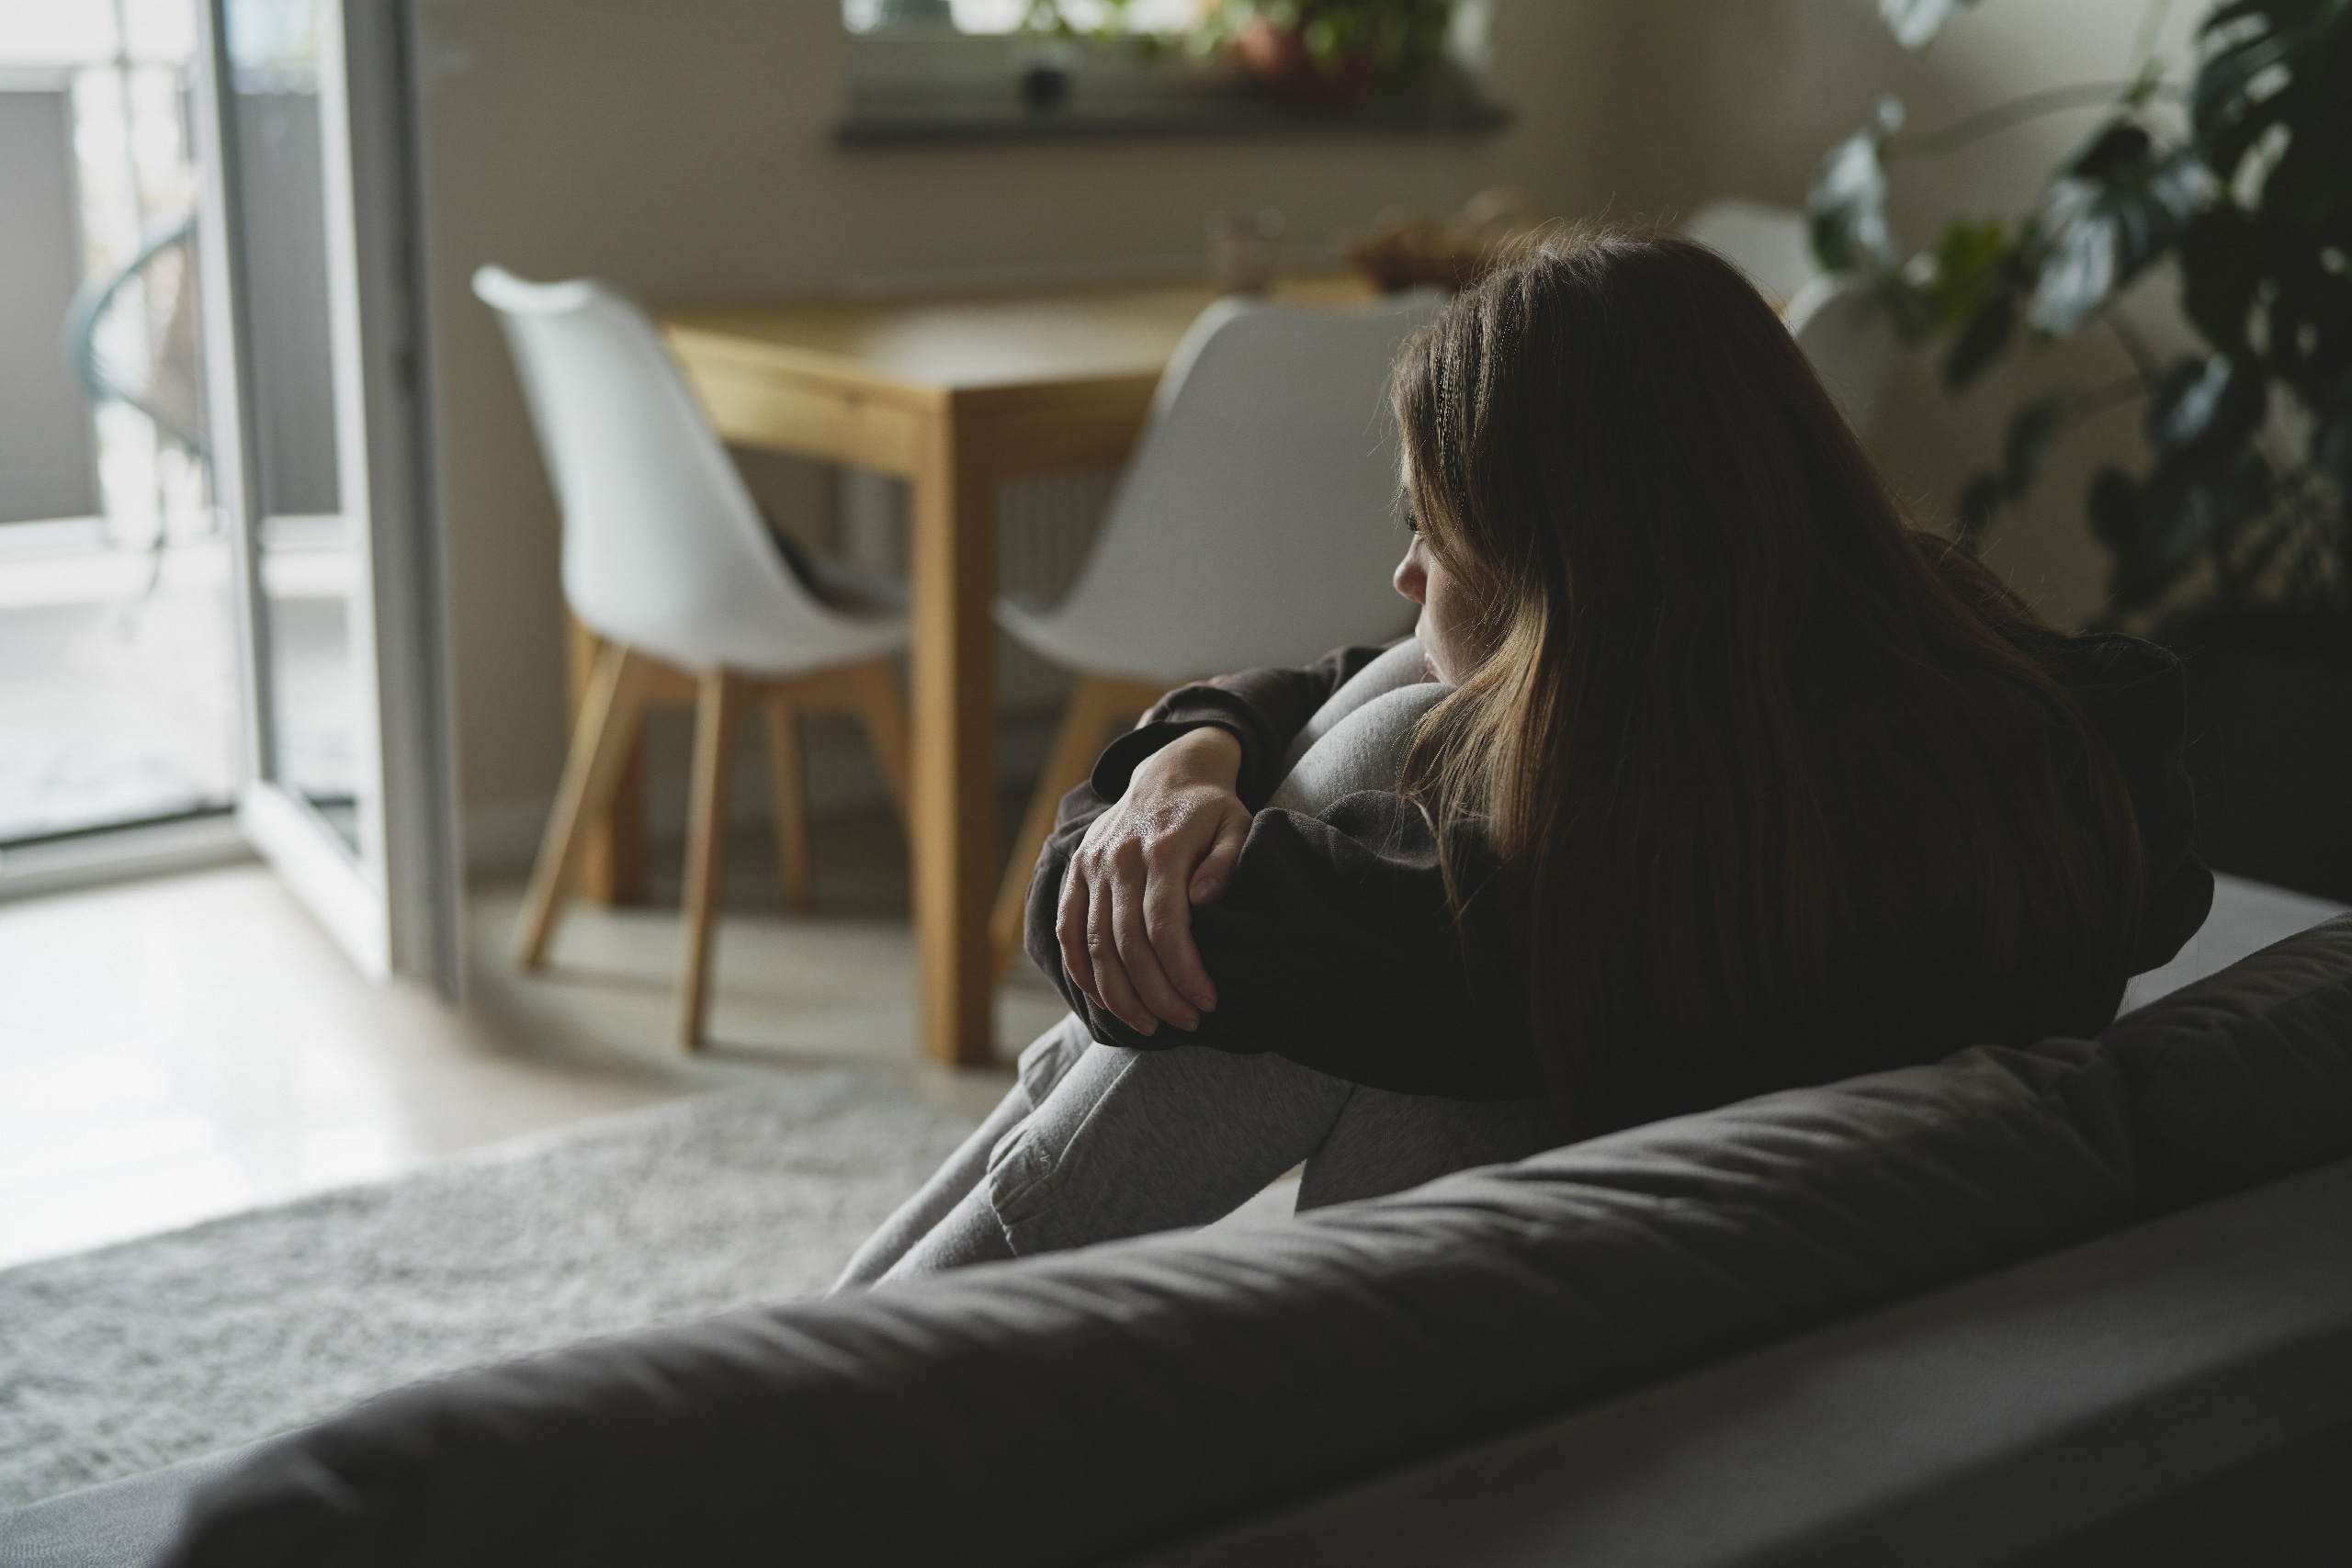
x=1125, y=922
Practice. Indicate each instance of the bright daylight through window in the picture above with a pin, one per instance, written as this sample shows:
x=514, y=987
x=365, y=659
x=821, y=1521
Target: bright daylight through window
x=119, y=679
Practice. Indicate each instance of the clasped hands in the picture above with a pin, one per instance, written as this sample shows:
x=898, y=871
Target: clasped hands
x=1125, y=919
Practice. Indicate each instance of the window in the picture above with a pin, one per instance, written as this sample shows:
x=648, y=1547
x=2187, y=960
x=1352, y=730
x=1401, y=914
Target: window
x=981, y=70
x=1006, y=15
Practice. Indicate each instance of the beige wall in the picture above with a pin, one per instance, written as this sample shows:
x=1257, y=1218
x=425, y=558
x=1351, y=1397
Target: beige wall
x=682, y=151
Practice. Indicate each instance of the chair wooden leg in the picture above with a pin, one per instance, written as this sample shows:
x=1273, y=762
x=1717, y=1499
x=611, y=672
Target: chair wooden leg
x=718, y=705
x=1094, y=702
x=875, y=688
x=791, y=800
x=612, y=857
x=600, y=747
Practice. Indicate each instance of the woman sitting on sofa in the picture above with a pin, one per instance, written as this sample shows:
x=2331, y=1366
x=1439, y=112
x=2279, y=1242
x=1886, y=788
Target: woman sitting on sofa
x=1741, y=785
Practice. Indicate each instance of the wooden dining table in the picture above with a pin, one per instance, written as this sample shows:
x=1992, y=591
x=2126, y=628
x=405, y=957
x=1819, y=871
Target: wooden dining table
x=957, y=397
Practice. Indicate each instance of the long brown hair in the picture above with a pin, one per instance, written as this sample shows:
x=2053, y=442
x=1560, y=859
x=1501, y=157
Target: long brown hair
x=1763, y=786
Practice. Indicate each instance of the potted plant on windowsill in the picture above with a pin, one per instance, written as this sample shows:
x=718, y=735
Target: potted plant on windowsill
x=2234, y=544
x=1333, y=55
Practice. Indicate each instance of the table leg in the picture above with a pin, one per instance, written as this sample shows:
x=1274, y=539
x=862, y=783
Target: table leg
x=952, y=820
x=611, y=865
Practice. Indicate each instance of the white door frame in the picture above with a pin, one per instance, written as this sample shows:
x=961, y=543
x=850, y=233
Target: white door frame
x=395, y=903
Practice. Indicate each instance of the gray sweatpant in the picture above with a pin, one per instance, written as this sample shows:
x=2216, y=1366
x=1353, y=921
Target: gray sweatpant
x=1096, y=1142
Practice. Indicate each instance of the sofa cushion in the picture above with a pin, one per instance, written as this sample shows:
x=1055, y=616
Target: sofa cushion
x=2242, y=1077
x=2170, y=1374
x=1068, y=1408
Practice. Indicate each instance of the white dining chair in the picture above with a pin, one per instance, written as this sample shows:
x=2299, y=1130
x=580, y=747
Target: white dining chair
x=1257, y=525
x=667, y=559
x=1836, y=316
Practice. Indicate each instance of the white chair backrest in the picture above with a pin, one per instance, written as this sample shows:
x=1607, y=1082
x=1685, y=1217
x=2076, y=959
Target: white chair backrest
x=663, y=548
x=1844, y=331
x=1835, y=317
x=1769, y=243
x=1258, y=523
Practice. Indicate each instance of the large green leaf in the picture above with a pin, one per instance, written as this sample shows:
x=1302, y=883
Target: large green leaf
x=1847, y=205
x=2114, y=506
x=1916, y=22
x=2234, y=97
x=2332, y=447
x=2116, y=207
x=2032, y=430
x=1970, y=264
x=2221, y=264
x=2279, y=66
x=2308, y=313
x=2148, y=552
x=2196, y=507
x=2212, y=404
x=1980, y=340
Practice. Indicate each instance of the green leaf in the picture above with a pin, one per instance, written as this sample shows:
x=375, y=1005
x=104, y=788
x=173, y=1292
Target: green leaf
x=1969, y=261
x=2118, y=146
x=2114, y=506
x=2116, y=207
x=2151, y=546
x=1915, y=22
x=2332, y=439
x=2032, y=429
x=2193, y=508
x=2309, y=311
x=1847, y=205
x=2235, y=97
x=2211, y=402
x=2155, y=532
x=1981, y=340
x=2222, y=256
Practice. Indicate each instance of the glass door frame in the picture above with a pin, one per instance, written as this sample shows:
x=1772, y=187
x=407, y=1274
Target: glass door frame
x=394, y=904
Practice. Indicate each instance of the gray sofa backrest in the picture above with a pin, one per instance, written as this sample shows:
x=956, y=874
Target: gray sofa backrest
x=2244, y=1077
x=1074, y=1408
x=2174, y=1394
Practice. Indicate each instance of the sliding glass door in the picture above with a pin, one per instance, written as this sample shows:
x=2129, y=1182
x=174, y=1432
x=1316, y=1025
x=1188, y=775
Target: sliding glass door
x=321, y=467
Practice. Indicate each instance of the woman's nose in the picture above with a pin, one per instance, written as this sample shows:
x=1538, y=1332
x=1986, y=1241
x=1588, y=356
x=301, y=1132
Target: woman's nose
x=1412, y=579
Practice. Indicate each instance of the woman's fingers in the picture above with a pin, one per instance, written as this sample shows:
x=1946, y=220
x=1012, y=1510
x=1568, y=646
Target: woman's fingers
x=1168, y=908
x=1167, y=921
x=1125, y=920
x=1214, y=874
x=1069, y=931
x=1139, y=953
x=1110, y=973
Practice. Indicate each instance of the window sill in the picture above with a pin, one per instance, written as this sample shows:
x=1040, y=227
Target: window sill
x=952, y=123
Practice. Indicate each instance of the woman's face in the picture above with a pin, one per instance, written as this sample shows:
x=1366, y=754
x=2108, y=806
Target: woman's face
x=1448, y=627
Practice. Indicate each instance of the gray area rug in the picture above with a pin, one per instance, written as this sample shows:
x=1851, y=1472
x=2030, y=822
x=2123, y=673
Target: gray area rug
x=118, y=1361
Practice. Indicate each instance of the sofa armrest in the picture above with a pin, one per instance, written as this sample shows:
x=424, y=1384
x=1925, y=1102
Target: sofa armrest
x=2026, y=1416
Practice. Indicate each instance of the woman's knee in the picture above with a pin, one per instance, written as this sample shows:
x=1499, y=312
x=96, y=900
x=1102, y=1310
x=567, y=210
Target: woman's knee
x=1385, y=1143
x=1131, y=1142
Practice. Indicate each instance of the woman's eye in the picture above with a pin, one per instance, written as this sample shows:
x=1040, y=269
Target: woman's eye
x=1412, y=523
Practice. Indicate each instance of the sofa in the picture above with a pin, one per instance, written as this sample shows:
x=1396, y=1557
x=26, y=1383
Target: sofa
x=2085, y=1302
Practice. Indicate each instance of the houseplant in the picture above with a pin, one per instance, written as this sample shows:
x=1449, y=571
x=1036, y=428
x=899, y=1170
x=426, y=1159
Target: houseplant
x=2234, y=544
x=1333, y=53
x=1311, y=54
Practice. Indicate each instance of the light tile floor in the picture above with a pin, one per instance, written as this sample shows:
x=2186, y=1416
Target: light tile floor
x=835, y=989
x=192, y=1046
